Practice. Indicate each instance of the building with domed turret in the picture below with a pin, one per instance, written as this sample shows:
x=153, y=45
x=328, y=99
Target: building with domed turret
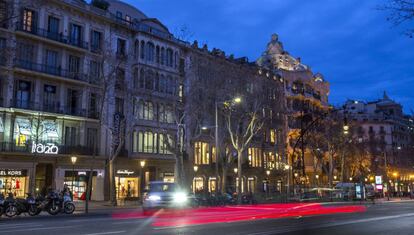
x=306, y=97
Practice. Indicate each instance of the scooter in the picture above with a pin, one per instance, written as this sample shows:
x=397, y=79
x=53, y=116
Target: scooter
x=68, y=206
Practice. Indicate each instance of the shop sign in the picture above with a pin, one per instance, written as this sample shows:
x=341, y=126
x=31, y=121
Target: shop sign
x=378, y=179
x=48, y=148
x=125, y=172
x=9, y=172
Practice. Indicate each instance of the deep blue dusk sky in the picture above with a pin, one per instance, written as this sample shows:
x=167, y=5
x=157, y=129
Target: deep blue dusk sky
x=348, y=41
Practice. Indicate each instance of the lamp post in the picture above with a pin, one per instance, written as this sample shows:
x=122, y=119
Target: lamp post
x=317, y=180
x=142, y=164
x=73, y=159
x=287, y=167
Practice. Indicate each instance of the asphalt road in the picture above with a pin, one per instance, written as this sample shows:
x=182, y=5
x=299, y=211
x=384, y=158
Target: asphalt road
x=387, y=218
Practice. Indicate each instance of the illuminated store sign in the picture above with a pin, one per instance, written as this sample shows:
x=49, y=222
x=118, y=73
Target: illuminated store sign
x=48, y=148
x=9, y=172
x=125, y=172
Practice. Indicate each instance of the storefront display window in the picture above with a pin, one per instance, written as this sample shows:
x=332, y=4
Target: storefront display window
x=198, y=184
x=212, y=184
x=77, y=182
x=251, y=185
x=13, y=181
x=127, y=187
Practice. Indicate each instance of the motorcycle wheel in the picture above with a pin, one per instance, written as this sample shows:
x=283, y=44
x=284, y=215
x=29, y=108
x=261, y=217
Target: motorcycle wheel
x=53, y=209
x=11, y=211
x=33, y=210
x=1, y=210
x=69, y=208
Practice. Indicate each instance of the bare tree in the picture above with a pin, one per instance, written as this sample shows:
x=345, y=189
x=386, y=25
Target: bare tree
x=400, y=12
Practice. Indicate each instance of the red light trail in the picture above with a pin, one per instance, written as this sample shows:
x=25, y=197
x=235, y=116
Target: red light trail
x=199, y=216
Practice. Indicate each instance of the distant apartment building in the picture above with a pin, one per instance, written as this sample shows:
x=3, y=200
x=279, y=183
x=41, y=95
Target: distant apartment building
x=383, y=123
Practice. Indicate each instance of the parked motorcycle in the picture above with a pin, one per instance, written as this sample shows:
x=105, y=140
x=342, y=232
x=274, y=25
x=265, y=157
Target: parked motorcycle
x=1, y=204
x=10, y=206
x=27, y=205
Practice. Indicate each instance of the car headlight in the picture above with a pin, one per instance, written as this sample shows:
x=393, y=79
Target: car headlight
x=154, y=198
x=180, y=197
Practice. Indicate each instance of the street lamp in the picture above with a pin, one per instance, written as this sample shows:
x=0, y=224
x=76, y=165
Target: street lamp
x=335, y=177
x=346, y=129
x=317, y=180
x=235, y=170
x=350, y=178
x=267, y=172
x=195, y=168
x=73, y=159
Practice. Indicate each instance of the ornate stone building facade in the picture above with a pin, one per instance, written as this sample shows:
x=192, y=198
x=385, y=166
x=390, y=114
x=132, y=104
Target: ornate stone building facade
x=306, y=96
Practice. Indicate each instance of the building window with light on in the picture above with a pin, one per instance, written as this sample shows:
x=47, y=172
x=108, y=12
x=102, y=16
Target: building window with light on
x=255, y=157
x=201, y=153
x=273, y=136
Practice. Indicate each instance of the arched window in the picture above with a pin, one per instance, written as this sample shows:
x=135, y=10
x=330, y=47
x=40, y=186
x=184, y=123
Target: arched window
x=142, y=50
x=157, y=54
x=163, y=83
x=150, y=111
x=169, y=114
x=157, y=82
x=140, y=142
x=136, y=49
x=149, y=80
x=169, y=57
x=161, y=112
x=136, y=78
x=170, y=85
x=162, y=55
x=142, y=79
x=150, y=52
x=141, y=108
x=176, y=60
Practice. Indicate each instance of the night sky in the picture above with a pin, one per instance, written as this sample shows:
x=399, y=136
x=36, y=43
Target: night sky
x=349, y=41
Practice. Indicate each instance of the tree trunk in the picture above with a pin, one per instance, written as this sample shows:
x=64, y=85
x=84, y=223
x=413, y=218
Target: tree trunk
x=224, y=180
x=112, y=186
x=239, y=175
x=330, y=176
x=342, y=166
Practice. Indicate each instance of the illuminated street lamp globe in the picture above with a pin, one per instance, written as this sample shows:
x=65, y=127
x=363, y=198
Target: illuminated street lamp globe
x=235, y=170
x=142, y=163
x=73, y=160
x=195, y=168
x=237, y=100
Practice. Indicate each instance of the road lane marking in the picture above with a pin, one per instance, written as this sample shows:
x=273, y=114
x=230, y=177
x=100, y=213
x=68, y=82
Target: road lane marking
x=104, y=233
x=35, y=229
x=335, y=224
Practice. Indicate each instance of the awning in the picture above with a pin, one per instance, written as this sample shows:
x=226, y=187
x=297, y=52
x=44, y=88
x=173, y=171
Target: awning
x=1, y=125
x=50, y=129
x=24, y=126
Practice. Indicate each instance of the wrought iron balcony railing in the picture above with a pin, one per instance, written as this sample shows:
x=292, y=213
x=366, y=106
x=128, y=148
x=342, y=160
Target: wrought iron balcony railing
x=58, y=37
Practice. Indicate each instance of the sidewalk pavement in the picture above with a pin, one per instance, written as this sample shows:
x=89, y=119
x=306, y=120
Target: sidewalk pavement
x=106, y=206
